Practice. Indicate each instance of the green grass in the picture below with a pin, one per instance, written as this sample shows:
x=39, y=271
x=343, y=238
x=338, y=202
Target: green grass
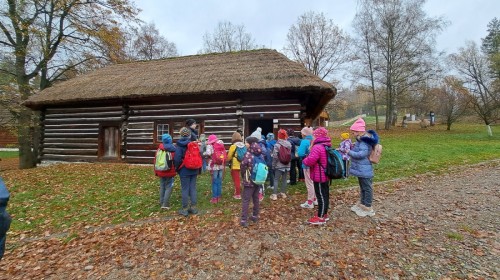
x=68, y=197
x=9, y=154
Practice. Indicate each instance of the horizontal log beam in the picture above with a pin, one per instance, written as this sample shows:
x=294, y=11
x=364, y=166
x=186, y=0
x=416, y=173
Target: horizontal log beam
x=84, y=152
x=82, y=110
x=181, y=105
x=70, y=140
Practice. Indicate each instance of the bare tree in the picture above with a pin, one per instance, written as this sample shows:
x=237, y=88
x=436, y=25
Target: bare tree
x=318, y=44
x=453, y=100
x=403, y=39
x=228, y=37
x=149, y=44
x=474, y=69
x=42, y=36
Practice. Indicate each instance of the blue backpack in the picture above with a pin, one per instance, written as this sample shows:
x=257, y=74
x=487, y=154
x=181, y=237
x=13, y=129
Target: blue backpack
x=259, y=171
x=335, y=165
x=240, y=153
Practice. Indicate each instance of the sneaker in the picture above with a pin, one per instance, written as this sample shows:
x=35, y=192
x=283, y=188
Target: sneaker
x=213, y=200
x=165, y=208
x=326, y=217
x=316, y=221
x=282, y=195
x=254, y=219
x=308, y=205
x=218, y=199
x=237, y=196
x=261, y=197
x=315, y=202
x=193, y=211
x=355, y=207
x=244, y=224
x=184, y=212
x=274, y=196
x=364, y=211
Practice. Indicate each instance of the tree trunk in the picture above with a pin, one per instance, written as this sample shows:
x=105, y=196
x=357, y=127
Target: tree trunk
x=26, y=156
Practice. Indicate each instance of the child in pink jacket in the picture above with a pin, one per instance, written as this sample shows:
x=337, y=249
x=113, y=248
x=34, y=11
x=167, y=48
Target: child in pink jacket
x=317, y=160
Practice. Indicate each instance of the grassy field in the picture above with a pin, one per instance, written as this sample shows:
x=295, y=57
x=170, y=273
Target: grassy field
x=69, y=197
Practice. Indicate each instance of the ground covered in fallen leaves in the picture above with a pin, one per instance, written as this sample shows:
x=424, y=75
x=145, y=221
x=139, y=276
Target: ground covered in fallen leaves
x=426, y=227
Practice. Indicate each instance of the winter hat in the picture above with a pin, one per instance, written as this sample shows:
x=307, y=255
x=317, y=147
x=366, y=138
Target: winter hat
x=257, y=133
x=189, y=122
x=166, y=139
x=236, y=137
x=344, y=136
x=307, y=131
x=270, y=136
x=282, y=134
x=290, y=132
x=358, y=125
x=185, y=132
x=320, y=132
x=212, y=139
x=250, y=140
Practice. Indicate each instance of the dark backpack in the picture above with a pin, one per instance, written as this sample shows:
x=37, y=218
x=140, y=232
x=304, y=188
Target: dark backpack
x=164, y=160
x=240, y=153
x=219, y=155
x=335, y=165
x=284, y=154
x=192, y=157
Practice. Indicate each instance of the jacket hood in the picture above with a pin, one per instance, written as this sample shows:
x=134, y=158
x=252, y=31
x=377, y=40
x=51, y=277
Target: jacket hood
x=255, y=149
x=239, y=144
x=308, y=137
x=295, y=140
x=371, y=138
x=326, y=141
x=183, y=141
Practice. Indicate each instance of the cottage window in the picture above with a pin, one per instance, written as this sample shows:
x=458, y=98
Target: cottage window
x=161, y=128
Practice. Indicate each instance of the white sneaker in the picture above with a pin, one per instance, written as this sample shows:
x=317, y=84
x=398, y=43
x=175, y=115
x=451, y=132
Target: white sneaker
x=315, y=202
x=355, y=207
x=364, y=211
x=274, y=197
x=307, y=205
x=282, y=195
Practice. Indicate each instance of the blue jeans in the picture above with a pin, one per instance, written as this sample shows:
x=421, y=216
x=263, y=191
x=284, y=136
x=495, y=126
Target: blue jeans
x=166, y=184
x=188, y=191
x=366, y=191
x=217, y=183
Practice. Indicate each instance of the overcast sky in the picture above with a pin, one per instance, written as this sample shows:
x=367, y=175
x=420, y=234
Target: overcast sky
x=184, y=22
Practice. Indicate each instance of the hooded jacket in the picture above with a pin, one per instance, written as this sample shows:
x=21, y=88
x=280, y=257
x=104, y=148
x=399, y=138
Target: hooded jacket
x=255, y=150
x=317, y=159
x=295, y=141
x=180, y=151
x=360, y=164
x=304, y=148
x=276, y=162
x=169, y=148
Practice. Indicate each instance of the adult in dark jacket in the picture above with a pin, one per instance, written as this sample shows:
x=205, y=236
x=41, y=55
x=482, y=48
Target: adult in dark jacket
x=191, y=124
x=166, y=176
x=187, y=176
x=295, y=163
x=361, y=166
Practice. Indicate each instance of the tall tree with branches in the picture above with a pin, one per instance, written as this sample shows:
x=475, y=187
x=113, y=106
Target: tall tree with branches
x=318, y=44
x=41, y=37
x=228, y=37
x=402, y=38
x=149, y=44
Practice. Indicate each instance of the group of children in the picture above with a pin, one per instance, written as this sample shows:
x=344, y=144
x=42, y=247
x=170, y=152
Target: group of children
x=309, y=154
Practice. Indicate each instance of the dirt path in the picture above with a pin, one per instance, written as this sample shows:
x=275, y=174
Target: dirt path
x=426, y=227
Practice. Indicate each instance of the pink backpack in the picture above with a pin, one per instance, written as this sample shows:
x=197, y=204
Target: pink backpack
x=219, y=155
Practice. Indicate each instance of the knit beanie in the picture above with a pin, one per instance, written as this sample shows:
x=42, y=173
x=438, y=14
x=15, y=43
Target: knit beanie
x=166, y=139
x=236, y=137
x=307, y=131
x=190, y=122
x=185, y=132
x=257, y=133
x=282, y=134
x=358, y=125
x=320, y=132
x=270, y=136
x=344, y=136
x=212, y=138
x=250, y=140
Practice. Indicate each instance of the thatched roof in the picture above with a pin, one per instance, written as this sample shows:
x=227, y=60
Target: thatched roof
x=245, y=71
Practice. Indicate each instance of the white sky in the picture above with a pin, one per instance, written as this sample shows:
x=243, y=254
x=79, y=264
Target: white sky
x=184, y=22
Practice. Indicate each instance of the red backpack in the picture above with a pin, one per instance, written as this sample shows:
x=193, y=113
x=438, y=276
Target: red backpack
x=192, y=158
x=219, y=155
x=284, y=154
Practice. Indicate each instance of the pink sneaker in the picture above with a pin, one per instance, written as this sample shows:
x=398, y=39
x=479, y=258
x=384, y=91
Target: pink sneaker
x=261, y=197
x=213, y=200
x=237, y=196
x=325, y=217
x=316, y=221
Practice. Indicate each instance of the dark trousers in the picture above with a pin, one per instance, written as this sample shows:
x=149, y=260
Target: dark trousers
x=250, y=193
x=322, y=191
x=294, y=165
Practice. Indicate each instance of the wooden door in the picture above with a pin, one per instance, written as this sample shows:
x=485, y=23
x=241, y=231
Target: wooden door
x=110, y=142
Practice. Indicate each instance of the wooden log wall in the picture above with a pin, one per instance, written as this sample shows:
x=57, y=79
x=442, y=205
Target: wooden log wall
x=72, y=134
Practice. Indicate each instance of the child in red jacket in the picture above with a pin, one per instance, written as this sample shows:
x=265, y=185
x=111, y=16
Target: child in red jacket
x=166, y=176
